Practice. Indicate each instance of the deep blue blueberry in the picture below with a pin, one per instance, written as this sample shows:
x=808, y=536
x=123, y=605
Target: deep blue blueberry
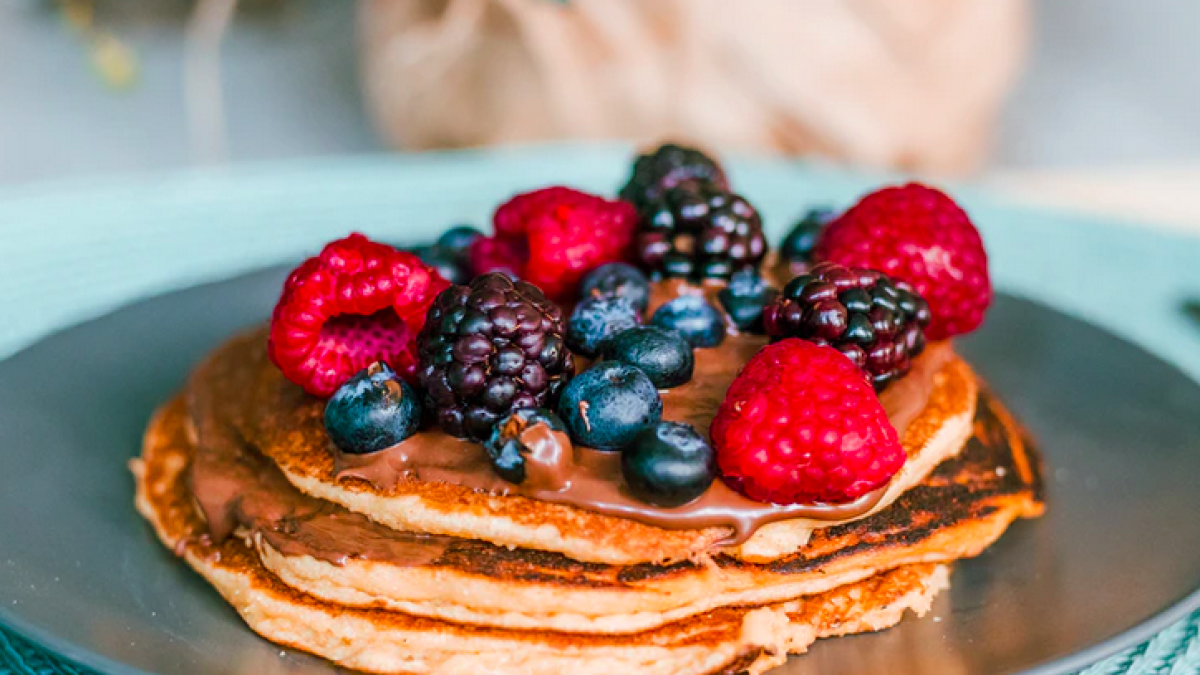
x=373, y=410
x=445, y=262
x=606, y=406
x=457, y=242
x=668, y=464
x=506, y=447
x=618, y=279
x=596, y=319
x=799, y=243
x=697, y=321
x=662, y=354
x=744, y=299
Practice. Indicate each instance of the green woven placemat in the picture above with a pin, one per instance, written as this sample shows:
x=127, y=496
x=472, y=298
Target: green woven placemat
x=72, y=251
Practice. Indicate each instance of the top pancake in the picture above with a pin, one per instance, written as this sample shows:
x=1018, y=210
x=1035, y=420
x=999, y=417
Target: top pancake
x=285, y=424
x=342, y=557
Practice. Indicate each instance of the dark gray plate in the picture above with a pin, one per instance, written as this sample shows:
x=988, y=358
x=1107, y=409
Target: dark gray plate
x=1116, y=558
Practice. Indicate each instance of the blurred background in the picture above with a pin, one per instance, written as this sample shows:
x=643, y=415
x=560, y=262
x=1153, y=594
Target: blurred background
x=1087, y=102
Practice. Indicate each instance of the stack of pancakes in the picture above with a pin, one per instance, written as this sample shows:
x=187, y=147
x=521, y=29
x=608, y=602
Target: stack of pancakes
x=404, y=573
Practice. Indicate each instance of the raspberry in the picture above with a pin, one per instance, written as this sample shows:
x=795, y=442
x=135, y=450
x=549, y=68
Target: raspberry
x=489, y=348
x=668, y=166
x=699, y=231
x=355, y=303
x=860, y=312
x=801, y=425
x=553, y=236
x=917, y=234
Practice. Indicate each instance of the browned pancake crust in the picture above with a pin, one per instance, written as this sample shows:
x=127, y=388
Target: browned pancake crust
x=286, y=425
x=270, y=605
x=961, y=508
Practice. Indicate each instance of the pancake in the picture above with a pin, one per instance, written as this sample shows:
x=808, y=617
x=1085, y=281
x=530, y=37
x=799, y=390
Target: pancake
x=724, y=641
x=957, y=511
x=285, y=424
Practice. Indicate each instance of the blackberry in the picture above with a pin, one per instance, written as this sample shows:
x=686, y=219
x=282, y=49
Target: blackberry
x=699, y=231
x=489, y=348
x=877, y=323
x=668, y=166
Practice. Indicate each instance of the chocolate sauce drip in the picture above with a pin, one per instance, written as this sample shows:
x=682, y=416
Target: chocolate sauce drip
x=239, y=490
x=593, y=481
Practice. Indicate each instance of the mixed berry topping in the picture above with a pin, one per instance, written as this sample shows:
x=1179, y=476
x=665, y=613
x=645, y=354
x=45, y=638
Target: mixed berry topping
x=489, y=348
x=443, y=262
x=606, y=406
x=920, y=236
x=553, y=236
x=701, y=324
x=373, y=410
x=523, y=445
x=450, y=256
x=457, y=242
x=598, y=318
x=699, y=231
x=745, y=298
x=668, y=166
x=467, y=331
x=875, y=323
x=355, y=303
x=618, y=279
x=801, y=425
x=799, y=243
x=668, y=464
x=663, y=355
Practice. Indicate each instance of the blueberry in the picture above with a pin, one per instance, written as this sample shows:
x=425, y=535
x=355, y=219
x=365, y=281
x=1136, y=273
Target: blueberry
x=662, y=354
x=744, y=299
x=696, y=320
x=799, y=243
x=668, y=464
x=596, y=319
x=445, y=262
x=457, y=242
x=618, y=279
x=514, y=452
x=606, y=406
x=373, y=410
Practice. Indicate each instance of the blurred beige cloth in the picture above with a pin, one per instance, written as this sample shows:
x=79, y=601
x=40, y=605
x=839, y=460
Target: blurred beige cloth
x=913, y=84
x=1162, y=195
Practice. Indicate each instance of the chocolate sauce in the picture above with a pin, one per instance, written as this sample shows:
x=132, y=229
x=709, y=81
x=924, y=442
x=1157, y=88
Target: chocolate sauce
x=238, y=489
x=551, y=459
x=594, y=482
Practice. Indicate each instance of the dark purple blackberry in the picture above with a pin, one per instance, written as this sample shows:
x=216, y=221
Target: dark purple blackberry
x=699, y=231
x=666, y=167
x=489, y=348
x=876, y=323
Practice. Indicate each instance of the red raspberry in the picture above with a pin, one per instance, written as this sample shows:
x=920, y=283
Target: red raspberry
x=553, y=236
x=801, y=424
x=917, y=234
x=356, y=303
